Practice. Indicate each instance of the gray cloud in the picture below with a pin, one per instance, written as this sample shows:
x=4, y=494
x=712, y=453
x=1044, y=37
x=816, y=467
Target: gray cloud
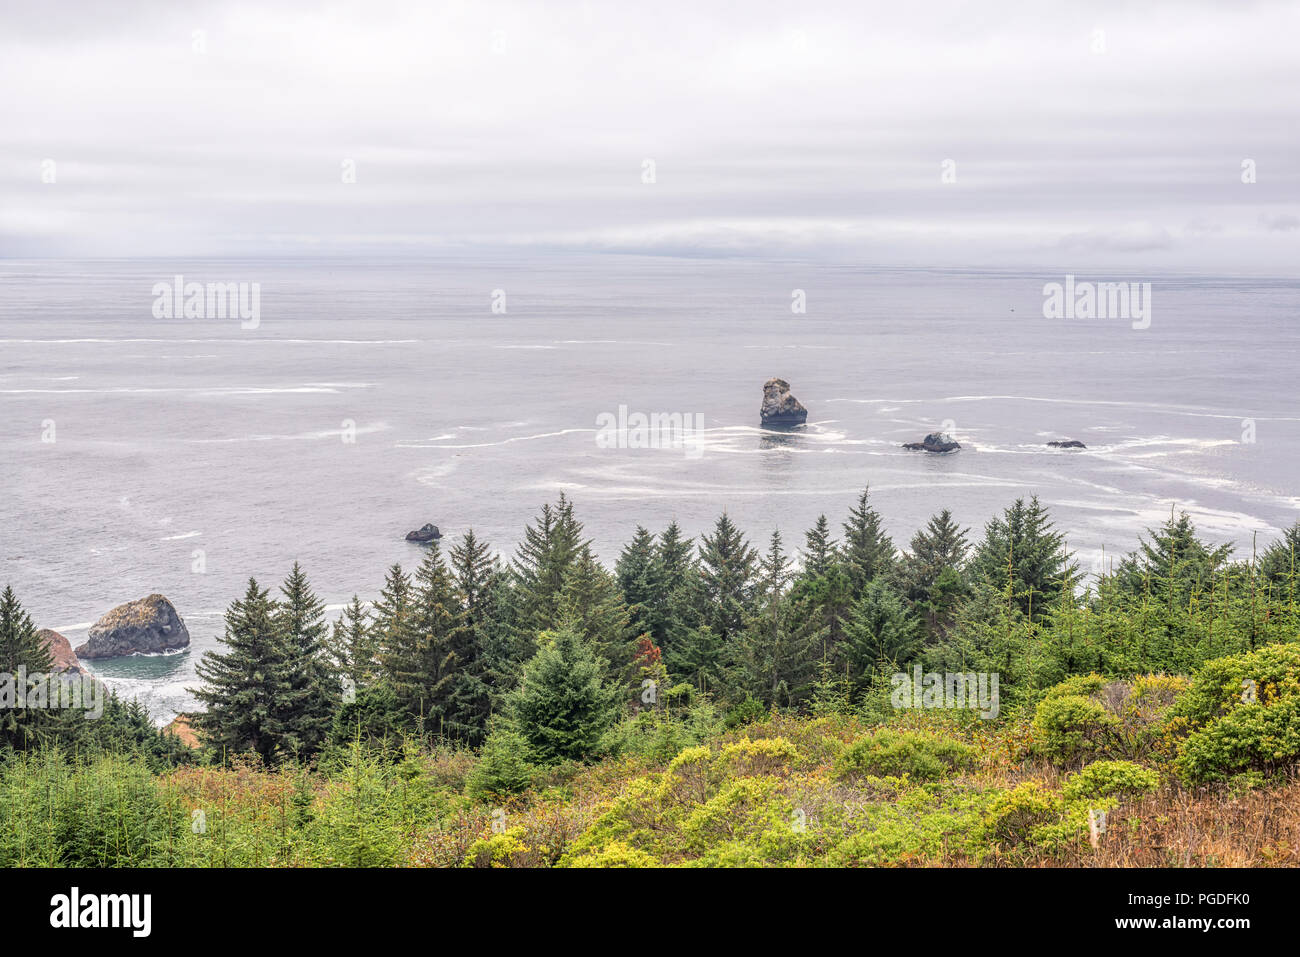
x=815, y=130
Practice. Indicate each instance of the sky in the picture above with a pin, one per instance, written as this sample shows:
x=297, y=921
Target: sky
x=991, y=133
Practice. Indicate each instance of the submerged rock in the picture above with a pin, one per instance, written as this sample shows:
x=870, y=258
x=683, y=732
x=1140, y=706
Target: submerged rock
x=935, y=442
x=65, y=659
x=428, y=533
x=780, y=409
x=1068, y=444
x=144, y=626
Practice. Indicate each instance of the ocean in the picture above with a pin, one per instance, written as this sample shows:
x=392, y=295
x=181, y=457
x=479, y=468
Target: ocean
x=184, y=455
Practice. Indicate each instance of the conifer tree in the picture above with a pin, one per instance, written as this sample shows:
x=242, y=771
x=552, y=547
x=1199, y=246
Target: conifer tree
x=1024, y=556
x=727, y=575
x=592, y=604
x=306, y=708
x=820, y=549
x=774, y=659
x=931, y=571
x=244, y=686
x=868, y=552
x=564, y=705
x=880, y=637
x=422, y=661
x=352, y=652
x=550, y=548
x=20, y=648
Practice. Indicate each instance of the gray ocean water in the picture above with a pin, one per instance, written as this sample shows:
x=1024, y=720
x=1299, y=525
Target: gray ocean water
x=173, y=437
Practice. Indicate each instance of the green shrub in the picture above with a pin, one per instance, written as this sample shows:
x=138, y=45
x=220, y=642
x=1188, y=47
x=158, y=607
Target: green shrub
x=1111, y=779
x=1088, y=716
x=887, y=752
x=1227, y=728
x=502, y=767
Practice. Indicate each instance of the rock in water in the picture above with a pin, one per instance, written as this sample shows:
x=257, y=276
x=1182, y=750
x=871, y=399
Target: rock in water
x=145, y=626
x=935, y=442
x=65, y=659
x=426, y=534
x=1068, y=444
x=780, y=409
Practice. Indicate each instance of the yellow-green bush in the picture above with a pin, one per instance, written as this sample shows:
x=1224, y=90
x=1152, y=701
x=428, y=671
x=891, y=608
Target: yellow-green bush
x=919, y=756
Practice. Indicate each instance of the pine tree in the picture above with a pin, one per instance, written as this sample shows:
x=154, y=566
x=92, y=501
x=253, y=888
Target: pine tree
x=868, y=552
x=243, y=686
x=391, y=616
x=19, y=644
x=932, y=571
x=820, y=549
x=1024, y=556
x=564, y=705
x=20, y=648
x=680, y=591
x=306, y=708
x=352, y=652
x=727, y=575
x=1172, y=563
x=550, y=548
x=592, y=604
x=422, y=660
x=774, y=660
x=879, y=636
x=476, y=572
x=639, y=574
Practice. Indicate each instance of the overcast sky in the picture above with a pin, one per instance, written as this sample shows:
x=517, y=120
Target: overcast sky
x=1078, y=133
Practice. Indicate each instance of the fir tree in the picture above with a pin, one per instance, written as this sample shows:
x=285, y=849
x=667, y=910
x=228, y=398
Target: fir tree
x=879, y=636
x=550, y=548
x=931, y=571
x=352, y=652
x=1024, y=556
x=306, y=708
x=867, y=551
x=564, y=705
x=727, y=575
x=820, y=549
x=773, y=657
x=20, y=648
x=243, y=687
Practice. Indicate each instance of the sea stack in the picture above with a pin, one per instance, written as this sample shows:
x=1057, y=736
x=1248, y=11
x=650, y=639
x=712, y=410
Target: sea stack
x=780, y=409
x=428, y=533
x=935, y=442
x=1067, y=444
x=147, y=626
x=64, y=658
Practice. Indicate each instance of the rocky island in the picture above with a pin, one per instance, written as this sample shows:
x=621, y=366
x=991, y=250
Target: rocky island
x=781, y=410
x=935, y=442
x=427, y=533
x=146, y=626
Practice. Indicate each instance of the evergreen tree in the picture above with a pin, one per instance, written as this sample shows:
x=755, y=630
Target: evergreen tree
x=564, y=705
x=1024, y=556
x=867, y=551
x=932, y=571
x=243, y=687
x=638, y=574
x=773, y=657
x=352, y=652
x=20, y=648
x=727, y=575
x=422, y=660
x=306, y=708
x=1172, y=563
x=820, y=549
x=391, y=616
x=880, y=637
x=592, y=604
x=542, y=562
